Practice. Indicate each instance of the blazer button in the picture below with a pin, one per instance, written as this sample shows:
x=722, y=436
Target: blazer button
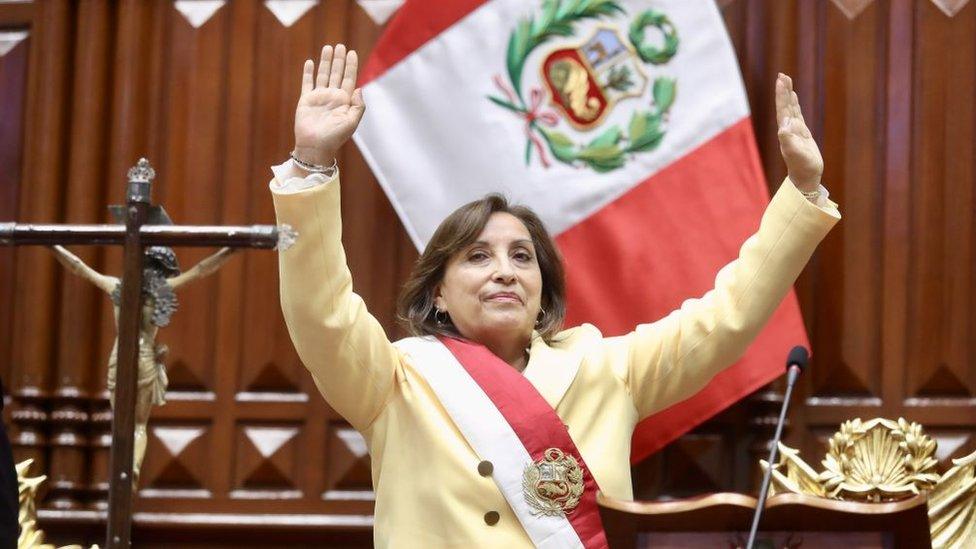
x=485, y=468
x=491, y=518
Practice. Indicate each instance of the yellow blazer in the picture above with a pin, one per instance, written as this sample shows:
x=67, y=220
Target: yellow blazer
x=428, y=489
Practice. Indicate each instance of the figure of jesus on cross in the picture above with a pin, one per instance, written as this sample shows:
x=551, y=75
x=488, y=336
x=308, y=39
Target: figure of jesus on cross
x=161, y=278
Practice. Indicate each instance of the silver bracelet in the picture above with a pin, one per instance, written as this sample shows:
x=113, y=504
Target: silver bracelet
x=811, y=195
x=329, y=170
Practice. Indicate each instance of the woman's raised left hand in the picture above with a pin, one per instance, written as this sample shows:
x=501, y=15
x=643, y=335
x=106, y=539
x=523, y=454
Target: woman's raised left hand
x=804, y=164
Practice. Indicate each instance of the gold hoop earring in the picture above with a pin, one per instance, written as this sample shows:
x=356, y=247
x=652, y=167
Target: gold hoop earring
x=440, y=317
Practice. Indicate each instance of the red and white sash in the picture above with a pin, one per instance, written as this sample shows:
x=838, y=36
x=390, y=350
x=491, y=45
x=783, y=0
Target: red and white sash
x=507, y=422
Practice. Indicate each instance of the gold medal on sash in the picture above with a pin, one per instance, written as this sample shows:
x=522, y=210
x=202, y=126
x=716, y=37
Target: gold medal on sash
x=553, y=485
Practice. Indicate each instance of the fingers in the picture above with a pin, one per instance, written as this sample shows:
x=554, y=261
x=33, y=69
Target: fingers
x=783, y=100
x=349, y=75
x=338, y=66
x=325, y=67
x=787, y=80
x=787, y=102
x=307, y=75
x=793, y=100
x=798, y=123
x=795, y=105
x=357, y=107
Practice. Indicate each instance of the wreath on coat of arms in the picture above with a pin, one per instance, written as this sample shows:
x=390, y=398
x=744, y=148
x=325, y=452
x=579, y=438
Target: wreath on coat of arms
x=586, y=81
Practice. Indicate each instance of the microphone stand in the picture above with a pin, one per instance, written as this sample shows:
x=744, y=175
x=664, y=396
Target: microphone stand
x=796, y=361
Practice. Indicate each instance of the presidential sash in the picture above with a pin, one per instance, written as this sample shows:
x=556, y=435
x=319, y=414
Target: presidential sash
x=536, y=464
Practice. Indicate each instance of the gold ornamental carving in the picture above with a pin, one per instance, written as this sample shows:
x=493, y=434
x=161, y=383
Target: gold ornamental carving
x=881, y=460
x=952, y=504
x=31, y=537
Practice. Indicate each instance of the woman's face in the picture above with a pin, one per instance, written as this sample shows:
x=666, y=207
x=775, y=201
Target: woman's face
x=492, y=288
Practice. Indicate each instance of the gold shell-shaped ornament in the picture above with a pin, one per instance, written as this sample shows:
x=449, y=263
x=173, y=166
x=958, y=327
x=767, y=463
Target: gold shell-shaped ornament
x=879, y=460
x=883, y=460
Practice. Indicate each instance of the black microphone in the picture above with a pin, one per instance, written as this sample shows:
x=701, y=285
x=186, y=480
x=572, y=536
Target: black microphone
x=796, y=361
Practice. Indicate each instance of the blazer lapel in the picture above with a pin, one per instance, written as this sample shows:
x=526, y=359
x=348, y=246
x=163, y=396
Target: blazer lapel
x=551, y=370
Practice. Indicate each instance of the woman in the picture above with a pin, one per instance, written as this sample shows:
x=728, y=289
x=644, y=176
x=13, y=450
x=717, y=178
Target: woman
x=496, y=428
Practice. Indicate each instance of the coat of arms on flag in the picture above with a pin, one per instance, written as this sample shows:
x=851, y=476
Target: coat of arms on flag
x=584, y=83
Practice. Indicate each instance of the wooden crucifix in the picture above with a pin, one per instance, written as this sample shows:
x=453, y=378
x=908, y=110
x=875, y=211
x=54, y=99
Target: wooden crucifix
x=141, y=229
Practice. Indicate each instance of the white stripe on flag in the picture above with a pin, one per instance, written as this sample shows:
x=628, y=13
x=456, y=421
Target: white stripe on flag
x=435, y=141
x=487, y=431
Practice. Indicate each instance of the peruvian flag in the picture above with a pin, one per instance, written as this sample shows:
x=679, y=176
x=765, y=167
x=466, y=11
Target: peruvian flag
x=623, y=124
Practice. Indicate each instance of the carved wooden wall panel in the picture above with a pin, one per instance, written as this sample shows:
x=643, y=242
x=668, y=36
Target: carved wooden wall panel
x=14, y=47
x=207, y=90
x=853, y=67
x=940, y=297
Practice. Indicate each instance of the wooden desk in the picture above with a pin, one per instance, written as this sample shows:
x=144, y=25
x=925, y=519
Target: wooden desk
x=791, y=520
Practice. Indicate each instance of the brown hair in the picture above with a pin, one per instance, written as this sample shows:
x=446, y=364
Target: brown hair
x=415, y=306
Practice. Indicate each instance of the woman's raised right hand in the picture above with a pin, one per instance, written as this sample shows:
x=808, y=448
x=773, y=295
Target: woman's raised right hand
x=330, y=107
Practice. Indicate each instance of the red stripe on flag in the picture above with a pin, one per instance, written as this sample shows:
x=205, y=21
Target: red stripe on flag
x=764, y=361
x=638, y=258
x=534, y=422
x=415, y=23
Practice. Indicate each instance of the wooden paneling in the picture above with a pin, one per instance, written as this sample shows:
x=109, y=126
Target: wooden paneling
x=207, y=92
x=14, y=47
x=852, y=79
x=35, y=326
x=940, y=288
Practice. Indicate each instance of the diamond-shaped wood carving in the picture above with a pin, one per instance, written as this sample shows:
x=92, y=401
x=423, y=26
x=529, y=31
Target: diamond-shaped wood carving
x=198, y=12
x=943, y=381
x=380, y=11
x=852, y=8
x=289, y=11
x=840, y=378
x=183, y=378
x=268, y=377
x=950, y=7
x=347, y=464
x=267, y=457
x=177, y=457
x=10, y=39
x=697, y=463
